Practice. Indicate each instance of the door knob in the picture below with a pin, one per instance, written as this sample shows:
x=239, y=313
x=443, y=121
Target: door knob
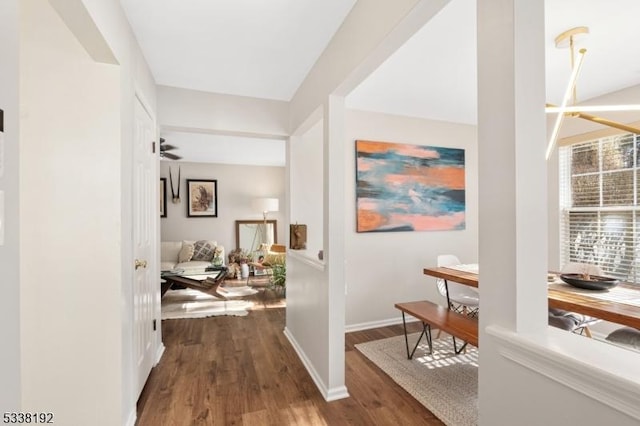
x=140, y=263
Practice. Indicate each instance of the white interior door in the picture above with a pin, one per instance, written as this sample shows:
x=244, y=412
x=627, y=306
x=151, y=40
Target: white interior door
x=145, y=215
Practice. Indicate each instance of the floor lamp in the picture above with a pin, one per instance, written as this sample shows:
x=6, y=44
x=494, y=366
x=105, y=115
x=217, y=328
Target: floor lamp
x=265, y=205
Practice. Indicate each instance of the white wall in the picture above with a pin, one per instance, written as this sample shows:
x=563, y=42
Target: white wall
x=70, y=169
x=386, y=268
x=182, y=109
x=99, y=27
x=369, y=34
x=238, y=186
x=135, y=80
x=10, y=249
x=307, y=279
x=307, y=187
x=307, y=299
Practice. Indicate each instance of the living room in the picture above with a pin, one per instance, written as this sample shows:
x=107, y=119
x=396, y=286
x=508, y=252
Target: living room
x=237, y=187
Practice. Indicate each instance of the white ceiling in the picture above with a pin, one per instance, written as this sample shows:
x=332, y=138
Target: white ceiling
x=257, y=48
x=264, y=49
x=434, y=74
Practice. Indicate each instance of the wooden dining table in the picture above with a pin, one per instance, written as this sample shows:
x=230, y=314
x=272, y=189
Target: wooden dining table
x=620, y=304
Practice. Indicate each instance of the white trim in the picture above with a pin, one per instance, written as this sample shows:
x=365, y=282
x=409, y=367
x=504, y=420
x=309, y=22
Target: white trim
x=131, y=420
x=159, y=352
x=85, y=29
x=222, y=132
x=316, y=116
x=376, y=324
x=329, y=394
x=335, y=394
x=577, y=363
x=139, y=94
x=302, y=256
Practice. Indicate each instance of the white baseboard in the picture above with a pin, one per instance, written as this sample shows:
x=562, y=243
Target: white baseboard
x=131, y=420
x=159, y=352
x=334, y=394
x=329, y=394
x=376, y=324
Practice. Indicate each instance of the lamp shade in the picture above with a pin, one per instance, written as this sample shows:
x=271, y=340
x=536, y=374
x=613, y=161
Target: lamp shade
x=266, y=204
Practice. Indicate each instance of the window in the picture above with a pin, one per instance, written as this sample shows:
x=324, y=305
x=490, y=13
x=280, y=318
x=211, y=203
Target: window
x=599, y=202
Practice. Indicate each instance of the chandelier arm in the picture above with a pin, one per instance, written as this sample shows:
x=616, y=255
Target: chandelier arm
x=609, y=123
x=589, y=108
x=565, y=100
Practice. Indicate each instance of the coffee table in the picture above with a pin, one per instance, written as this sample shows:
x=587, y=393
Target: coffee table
x=198, y=279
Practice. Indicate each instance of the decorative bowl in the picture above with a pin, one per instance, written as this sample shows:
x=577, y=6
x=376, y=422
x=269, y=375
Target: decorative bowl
x=594, y=282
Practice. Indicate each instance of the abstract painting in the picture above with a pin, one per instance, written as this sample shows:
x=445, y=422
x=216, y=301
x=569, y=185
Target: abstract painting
x=401, y=187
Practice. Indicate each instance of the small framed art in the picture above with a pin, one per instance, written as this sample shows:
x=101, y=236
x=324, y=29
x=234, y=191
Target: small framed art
x=202, y=198
x=163, y=197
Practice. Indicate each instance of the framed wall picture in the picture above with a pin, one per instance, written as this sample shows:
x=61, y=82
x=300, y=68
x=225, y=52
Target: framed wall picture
x=297, y=237
x=402, y=187
x=202, y=198
x=163, y=197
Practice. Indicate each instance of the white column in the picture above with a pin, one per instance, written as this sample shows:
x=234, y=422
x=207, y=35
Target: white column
x=512, y=179
x=334, y=199
x=512, y=168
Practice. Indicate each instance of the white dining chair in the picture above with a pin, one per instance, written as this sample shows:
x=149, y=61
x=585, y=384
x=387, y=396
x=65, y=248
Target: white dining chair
x=462, y=298
x=573, y=321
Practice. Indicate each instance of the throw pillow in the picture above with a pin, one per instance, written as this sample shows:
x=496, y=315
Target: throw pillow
x=203, y=250
x=186, y=252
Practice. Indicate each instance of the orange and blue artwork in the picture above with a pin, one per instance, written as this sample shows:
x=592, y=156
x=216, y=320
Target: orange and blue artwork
x=402, y=187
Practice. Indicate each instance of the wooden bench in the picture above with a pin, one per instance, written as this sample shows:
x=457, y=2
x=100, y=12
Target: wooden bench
x=431, y=314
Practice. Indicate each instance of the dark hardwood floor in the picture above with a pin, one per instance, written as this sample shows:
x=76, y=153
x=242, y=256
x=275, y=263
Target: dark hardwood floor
x=243, y=371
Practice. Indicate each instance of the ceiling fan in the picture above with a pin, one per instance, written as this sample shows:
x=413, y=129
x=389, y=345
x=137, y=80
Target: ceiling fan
x=568, y=39
x=164, y=151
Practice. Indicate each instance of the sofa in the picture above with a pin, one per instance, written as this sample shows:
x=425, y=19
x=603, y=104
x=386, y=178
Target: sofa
x=189, y=254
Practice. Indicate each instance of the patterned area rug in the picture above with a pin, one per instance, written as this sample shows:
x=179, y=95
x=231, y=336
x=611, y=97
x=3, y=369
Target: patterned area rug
x=445, y=383
x=189, y=303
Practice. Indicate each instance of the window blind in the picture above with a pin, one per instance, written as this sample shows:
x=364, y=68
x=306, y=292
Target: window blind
x=600, y=214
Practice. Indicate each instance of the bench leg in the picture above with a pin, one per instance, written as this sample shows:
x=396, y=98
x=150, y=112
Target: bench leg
x=455, y=349
x=426, y=331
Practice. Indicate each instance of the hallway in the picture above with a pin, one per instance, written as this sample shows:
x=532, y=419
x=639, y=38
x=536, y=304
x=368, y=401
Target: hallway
x=243, y=371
